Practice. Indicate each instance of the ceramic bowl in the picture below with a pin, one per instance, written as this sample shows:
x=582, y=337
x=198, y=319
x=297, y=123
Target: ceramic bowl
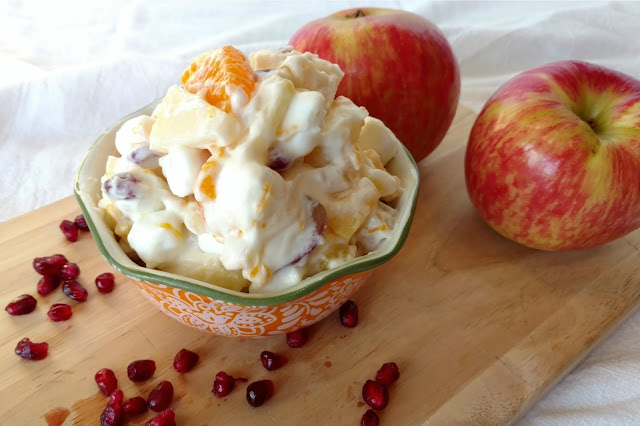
x=216, y=309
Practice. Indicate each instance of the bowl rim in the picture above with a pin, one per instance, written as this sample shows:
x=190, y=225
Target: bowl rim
x=313, y=283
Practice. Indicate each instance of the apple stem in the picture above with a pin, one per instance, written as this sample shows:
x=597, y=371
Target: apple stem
x=357, y=14
x=591, y=122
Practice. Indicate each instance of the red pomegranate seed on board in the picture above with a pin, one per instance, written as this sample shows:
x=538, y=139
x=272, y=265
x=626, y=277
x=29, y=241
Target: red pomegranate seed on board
x=375, y=395
x=47, y=284
x=21, y=305
x=70, y=230
x=105, y=282
x=69, y=271
x=161, y=396
x=141, y=370
x=59, y=312
x=164, y=418
x=272, y=361
x=223, y=384
x=388, y=373
x=81, y=223
x=297, y=339
x=34, y=351
x=106, y=381
x=259, y=392
x=369, y=418
x=135, y=406
x=75, y=290
x=185, y=360
x=349, y=314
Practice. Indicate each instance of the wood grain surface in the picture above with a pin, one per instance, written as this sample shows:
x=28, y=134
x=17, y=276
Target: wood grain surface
x=480, y=327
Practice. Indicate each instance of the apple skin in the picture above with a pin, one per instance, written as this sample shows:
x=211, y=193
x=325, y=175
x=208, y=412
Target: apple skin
x=553, y=159
x=398, y=65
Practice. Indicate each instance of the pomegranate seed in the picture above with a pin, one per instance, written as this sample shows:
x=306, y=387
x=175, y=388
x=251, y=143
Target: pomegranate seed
x=70, y=271
x=104, y=282
x=47, y=284
x=349, y=314
x=369, y=419
x=49, y=265
x=106, y=380
x=81, y=223
x=70, y=230
x=74, y=290
x=116, y=397
x=135, y=406
x=160, y=397
x=28, y=350
x=112, y=414
x=141, y=370
x=22, y=305
x=185, y=360
x=272, y=361
x=388, y=373
x=297, y=339
x=259, y=392
x=223, y=384
x=164, y=418
x=375, y=395
x=60, y=312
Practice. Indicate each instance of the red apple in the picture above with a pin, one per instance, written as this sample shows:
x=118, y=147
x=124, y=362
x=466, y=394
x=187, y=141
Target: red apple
x=553, y=160
x=397, y=64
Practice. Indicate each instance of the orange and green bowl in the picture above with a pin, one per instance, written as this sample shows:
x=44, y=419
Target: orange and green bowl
x=221, y=311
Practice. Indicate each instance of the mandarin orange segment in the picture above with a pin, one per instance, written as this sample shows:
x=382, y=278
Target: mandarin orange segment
x=218, y=73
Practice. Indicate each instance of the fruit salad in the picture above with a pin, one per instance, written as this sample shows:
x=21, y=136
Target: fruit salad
x=251, y=175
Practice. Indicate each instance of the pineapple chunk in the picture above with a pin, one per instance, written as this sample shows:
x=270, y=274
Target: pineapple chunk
x=348, y=210
x=375, y=135
x=184, y=119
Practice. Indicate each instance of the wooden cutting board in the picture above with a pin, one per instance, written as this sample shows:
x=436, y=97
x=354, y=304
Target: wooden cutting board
x=480, y=327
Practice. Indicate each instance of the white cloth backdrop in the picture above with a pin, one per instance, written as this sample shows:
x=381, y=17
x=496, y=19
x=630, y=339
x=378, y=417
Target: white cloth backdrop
x=69, y=69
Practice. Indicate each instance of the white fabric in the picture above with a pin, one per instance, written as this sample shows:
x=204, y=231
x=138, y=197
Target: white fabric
x=69, y=69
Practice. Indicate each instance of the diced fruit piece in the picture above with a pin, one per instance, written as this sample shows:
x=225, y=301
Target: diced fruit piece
x=185, y=360
x=106, y=381
x=69, y=271
x=278, y=162
x=47, y=284
x=70, y=230
x=259, y=392
x=223, y=384
x=370, y=418
x=272, y=361
x=75, y=290
x=144, y=157
x=81, y=223
x=388, y=373
x=161, y=396
x=59, y=312
x=216, y=73
x=135, y=406
x=141, y=370
x=349, y=314
x=121, y=186
x=34, y=351
x=49, y=265
x=375, y=395
x=165, y=418
x=22, y=305
x=105, y=282
x=297, y=339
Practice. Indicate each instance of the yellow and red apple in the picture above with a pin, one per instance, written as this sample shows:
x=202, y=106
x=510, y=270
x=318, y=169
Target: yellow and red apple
x=553, y=160
x=397, y=64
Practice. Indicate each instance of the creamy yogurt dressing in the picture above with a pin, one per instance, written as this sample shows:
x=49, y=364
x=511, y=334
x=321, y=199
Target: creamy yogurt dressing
x=288, y=184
